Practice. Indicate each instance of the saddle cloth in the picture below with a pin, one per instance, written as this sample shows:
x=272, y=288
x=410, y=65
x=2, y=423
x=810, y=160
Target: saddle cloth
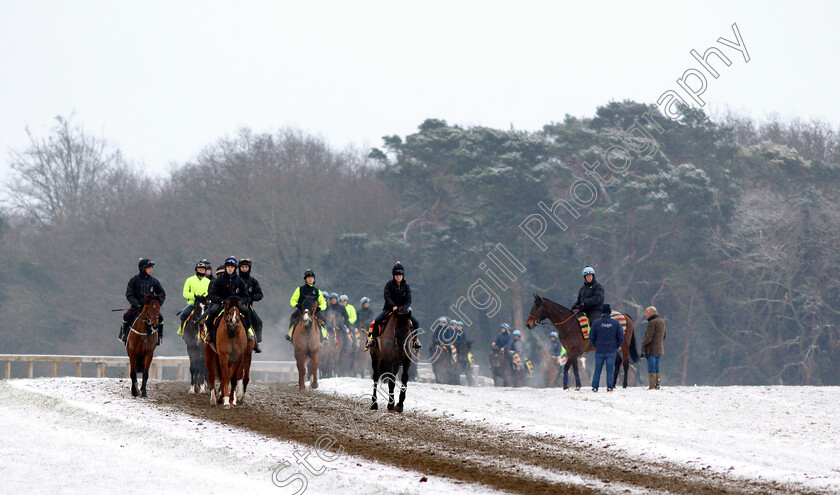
x=615, y=315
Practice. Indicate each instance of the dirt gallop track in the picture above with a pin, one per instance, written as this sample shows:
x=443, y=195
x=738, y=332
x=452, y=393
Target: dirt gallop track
x=502, y=459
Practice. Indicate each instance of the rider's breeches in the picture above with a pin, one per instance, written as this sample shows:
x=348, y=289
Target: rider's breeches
x=185, y=313
x=130, y=315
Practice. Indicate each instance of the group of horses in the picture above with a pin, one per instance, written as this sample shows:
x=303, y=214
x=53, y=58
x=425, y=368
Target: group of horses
x=229, y=361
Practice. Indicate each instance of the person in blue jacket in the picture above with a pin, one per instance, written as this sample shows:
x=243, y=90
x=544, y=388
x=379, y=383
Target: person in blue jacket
x=503, y=339
x=606, y=337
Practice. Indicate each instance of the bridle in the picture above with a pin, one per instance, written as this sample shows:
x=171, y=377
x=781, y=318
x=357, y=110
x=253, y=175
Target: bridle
x=561, y=329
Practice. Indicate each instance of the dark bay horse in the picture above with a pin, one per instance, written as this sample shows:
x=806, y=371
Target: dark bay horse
x=392, y=352
x=195, y=348
x=232, y=345
x=571, y=337
x=141, y=343
x=306, y=341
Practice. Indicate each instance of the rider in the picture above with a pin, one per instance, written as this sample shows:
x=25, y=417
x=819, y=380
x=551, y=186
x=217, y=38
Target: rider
x=351, y=311
x=437, y=329
x=590, y=296
x=255, y=294
x=503, y=339
x=299, y=296
x=195, y=287
x=142, y=284
x=226, y=285
x=460, y=333
x=210, y=275
x=335, y=306
x=397, y=296
x=558, y=352
x=513, y=347
x=365, y=314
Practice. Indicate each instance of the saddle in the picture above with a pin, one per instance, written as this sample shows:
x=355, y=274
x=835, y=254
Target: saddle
x=615, y=315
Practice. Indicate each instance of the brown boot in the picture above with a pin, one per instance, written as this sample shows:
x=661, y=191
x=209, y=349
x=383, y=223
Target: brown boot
x=651, y=381
x=657, y=381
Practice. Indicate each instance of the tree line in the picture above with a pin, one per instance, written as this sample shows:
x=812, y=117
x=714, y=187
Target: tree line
x=727, y=226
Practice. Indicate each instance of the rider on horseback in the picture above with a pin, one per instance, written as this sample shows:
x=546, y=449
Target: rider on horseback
x=307, y=290
x=351, y=311
x=397, y=296
x=438, y=328
x=460, y=333
x=140, y=285
x=590, y=296
x=226, y=285
x=365, y=314
x=503, y=339
x=255, y=294
x=558, y=352
x=195, y=288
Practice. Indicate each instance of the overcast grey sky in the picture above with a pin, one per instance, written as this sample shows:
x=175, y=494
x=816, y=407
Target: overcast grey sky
x=164, y=79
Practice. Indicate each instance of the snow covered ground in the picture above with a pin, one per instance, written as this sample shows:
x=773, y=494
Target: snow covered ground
x=77, y=435
x=788, y=434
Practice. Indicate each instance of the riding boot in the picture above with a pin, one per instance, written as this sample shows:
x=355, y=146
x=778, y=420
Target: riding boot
x=160, y=334
x=657, y=381
x=651, y=381
x=258, y=332
x=123, y=331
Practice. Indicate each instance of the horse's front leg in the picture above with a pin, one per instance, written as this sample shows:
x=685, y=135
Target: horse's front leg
x=404, y=379
x=374, y=404
x=313, y=370
x=134, y=389
x=391, y=383
x=626, y=368
x=577, y=373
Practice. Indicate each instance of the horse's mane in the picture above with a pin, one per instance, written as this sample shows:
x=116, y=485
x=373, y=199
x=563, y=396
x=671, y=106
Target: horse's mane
x=547, y=300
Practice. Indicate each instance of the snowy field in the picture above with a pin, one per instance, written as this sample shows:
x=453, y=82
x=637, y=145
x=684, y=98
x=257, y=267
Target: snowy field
x=776, y=433
x=76, y=435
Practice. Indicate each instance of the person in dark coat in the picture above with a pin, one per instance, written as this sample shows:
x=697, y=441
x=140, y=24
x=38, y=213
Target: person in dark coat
x=365, y=314
x=140, y=285
x=226, y=285
x=255, y=294
x=397, y=294
x=606, y=336
x=503, y=339
x=438, y=328
x=653, y=345
x=590, y=296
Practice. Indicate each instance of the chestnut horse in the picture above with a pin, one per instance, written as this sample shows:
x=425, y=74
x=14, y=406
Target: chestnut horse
x=306, y=341
x=141, y=342
x=571, y=337
x=392, y=352
x=232, y=346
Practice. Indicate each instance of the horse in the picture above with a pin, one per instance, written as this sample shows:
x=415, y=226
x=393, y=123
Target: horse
x=195, y=349
x=141, y=342
x=571, y=337
x=348, y=352
x=551, y=368
x=230, y=354
x=502, y=368
x=464, y=364
x=306, y=341
x=391, y=353
x=446, y=368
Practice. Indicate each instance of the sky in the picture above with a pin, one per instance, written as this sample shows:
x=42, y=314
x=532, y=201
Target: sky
x=163, y=80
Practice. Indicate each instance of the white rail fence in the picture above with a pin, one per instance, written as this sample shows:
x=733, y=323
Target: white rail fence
x=178, y=367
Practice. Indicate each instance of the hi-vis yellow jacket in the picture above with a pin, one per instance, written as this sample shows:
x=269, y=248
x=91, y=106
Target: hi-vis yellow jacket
x=322, y=303
x=351, y=313
x=195, y=286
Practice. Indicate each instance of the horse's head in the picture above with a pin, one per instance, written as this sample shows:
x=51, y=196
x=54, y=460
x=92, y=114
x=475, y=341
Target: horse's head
x=151, y=310
x=537, y=313
x=231, y=314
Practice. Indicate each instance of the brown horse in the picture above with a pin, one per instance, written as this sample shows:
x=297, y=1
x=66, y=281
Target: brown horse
x=552, y=368
x=141, y=342
x=306, y=340
x=392, y=352
x=571, y=337
x=230, y=354
x=446, y=367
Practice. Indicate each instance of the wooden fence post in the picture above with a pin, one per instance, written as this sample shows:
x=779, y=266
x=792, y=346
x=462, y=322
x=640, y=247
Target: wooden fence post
x=31, y=365
x=79, y=368
x=8, y=369
x=55, y=369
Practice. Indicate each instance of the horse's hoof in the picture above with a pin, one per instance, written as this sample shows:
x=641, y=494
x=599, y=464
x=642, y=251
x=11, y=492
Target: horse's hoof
x=577, y=389
x=191, y=391
x=144, y=393
x=314, y=386
x=374, y=406
x=227, y=406
x=398, y=408
x=390, y=407
x=135, y=393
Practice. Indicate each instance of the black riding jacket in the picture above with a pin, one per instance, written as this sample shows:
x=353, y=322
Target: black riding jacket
x=364, y=316
x=225, y=286
x=255, y=292
x=143, y=285
x=591, y=296
x=397, y=295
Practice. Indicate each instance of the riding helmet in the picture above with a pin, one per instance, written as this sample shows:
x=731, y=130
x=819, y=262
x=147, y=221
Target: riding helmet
x=334, y=295
x=588, y=271
x=308, y=273
x=398, y=269
x=517, y=333
x=506, y=326
x=343, y=297
x=200, y=264
x=364, y=300
x=145, y=263
x=245, y=261
x=553, y=334
x=230, y=261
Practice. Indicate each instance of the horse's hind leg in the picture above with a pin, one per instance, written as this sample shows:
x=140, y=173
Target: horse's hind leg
x=566, y=374
x=391, y=384
x=134, y=390
x=577, y=372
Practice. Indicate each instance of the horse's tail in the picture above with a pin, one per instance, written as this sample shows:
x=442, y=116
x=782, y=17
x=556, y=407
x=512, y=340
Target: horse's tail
x=634, y=354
